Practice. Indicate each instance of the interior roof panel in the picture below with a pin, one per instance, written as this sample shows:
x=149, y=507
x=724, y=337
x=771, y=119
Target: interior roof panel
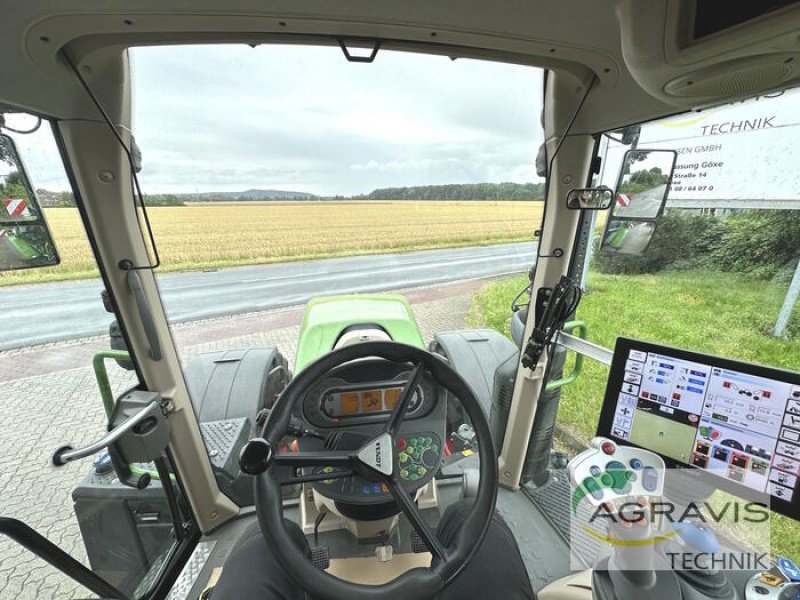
x=634, y=48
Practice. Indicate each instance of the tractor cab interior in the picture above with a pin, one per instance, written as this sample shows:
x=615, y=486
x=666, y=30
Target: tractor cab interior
x=371, y=438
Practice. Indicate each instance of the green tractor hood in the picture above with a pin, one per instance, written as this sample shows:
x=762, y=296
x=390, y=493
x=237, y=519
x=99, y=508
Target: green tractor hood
x=327, y=317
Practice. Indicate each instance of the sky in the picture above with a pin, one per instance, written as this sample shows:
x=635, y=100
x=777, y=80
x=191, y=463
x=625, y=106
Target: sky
x=232, y=118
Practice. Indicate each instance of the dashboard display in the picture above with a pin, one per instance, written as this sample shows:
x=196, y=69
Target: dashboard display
x=737, y=421
x=344, y=403
x=365, y=392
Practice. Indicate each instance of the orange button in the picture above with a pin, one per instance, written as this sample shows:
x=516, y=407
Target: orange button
x=771, y=579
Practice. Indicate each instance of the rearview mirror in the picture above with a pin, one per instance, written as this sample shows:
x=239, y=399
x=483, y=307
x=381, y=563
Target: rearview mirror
x=626, y=236
x=599, y=198
x=25, y=240
x=642, y=189
x=643, y=183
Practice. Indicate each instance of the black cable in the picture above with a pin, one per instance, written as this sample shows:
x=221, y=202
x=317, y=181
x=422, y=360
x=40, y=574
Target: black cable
x=557, y=328
x=134, y=179
x=515, y=306
x=549, y=174
x=563, y=301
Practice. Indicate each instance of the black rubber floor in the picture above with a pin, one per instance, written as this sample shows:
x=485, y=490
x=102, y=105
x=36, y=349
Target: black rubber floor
x=553, y=501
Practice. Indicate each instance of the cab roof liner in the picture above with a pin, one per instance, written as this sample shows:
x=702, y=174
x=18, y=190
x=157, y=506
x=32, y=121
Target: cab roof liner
x=645, y=54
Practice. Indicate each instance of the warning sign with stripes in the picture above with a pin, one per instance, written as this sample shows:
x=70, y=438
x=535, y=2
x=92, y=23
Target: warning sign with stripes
x=16, y=207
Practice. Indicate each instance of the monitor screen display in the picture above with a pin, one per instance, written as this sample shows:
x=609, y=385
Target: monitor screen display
x=739, y=421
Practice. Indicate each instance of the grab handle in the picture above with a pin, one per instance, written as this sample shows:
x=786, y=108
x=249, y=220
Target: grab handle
x=146, y=317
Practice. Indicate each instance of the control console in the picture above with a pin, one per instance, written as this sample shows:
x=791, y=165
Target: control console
x=781, y=582
x=419, y=456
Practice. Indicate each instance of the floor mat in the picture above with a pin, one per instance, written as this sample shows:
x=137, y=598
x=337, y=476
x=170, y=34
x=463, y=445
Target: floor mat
x=553, y=500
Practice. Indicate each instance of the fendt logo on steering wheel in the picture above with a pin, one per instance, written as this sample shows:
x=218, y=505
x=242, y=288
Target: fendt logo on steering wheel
x=377, y=454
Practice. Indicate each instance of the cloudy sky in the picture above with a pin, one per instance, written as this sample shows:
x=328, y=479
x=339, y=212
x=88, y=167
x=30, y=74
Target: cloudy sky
x=230, y=118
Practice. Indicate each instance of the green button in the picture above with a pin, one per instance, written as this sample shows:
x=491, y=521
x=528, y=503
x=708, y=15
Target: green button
x=403, y=473
x=434, y=447
x=413, y=476
x=606, y=479
x=410, y=450
x=421, y=471
x=428, y=441
x=328, y=470
x=403, y=457
x=591, y=486
x=413, y=441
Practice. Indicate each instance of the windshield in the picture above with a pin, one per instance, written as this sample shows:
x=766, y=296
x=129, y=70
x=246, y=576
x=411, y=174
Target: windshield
x=301, y=202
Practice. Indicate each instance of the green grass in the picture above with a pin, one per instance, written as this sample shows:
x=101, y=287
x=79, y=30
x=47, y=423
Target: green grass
x=717, y=313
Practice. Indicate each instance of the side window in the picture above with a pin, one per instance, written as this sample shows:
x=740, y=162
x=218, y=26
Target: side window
x=52, y=325
x=721, y=274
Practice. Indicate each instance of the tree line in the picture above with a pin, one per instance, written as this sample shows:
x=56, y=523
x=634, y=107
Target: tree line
x=455, y=191
x=460, y=191
x=67, y=199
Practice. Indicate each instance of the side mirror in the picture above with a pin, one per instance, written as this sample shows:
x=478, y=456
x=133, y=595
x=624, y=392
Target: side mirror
x=626, y=236
x=642, y=189
x=599, y=198
x=25, y=240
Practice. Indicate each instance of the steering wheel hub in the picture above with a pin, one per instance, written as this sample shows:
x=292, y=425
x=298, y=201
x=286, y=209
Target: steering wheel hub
x=377, y=454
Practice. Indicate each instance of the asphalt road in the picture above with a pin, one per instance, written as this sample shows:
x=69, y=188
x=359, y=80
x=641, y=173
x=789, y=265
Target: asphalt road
x=38, y=314
x=644, y=205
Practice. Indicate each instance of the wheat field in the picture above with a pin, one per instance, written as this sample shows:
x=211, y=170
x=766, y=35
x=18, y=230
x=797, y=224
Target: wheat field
x=203, y=236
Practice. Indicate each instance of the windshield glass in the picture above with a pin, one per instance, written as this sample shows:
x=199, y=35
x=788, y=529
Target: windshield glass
x=301, y=202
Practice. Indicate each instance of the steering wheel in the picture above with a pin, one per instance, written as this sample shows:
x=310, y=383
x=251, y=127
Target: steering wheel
x=377, y=460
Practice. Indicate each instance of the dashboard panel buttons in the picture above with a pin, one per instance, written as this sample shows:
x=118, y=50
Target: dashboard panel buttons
x=650, y=479
x=420, y=456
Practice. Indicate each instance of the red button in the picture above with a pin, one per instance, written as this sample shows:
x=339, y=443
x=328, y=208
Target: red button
x=401, y=443
x=608, y=448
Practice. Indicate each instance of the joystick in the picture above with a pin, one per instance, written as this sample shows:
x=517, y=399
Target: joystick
x=622, y=480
